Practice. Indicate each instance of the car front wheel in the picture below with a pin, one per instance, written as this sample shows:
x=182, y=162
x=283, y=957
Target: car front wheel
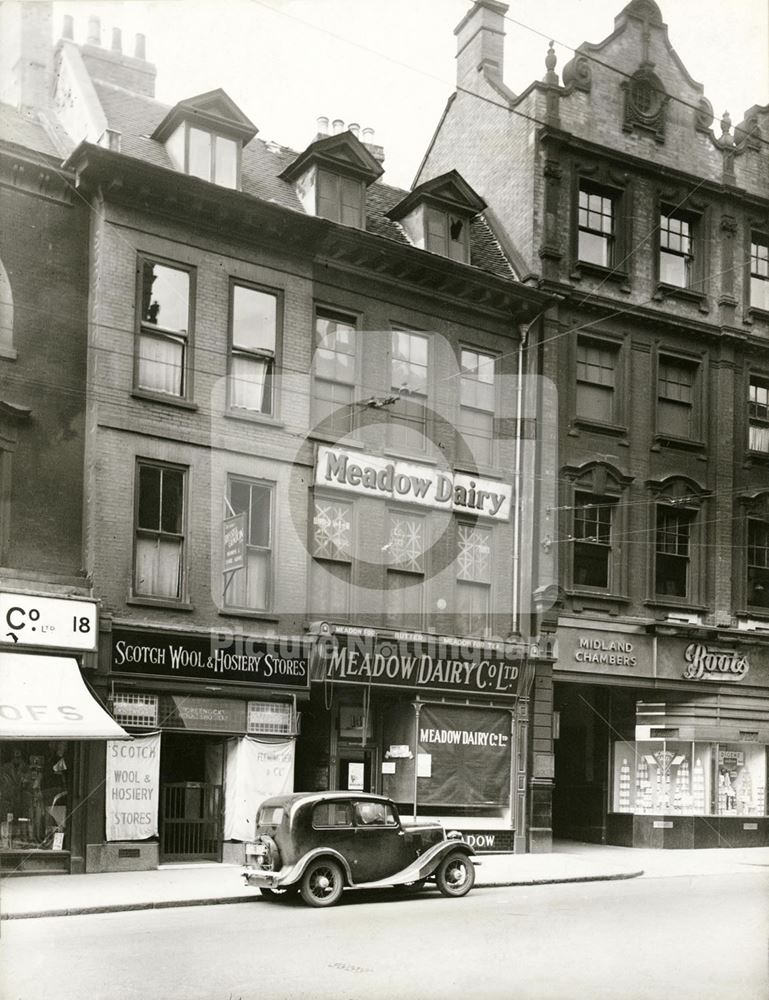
x=455, y=875
x=322, y=883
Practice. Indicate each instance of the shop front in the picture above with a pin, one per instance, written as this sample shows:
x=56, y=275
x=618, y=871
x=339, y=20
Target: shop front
x=663, y=738
x=432, y=722
x=214, y=719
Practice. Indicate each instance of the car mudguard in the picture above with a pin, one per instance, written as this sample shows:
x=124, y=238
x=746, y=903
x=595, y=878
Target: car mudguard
x=290, y=876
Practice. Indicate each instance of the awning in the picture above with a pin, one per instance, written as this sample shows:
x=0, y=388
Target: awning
x=44, y=697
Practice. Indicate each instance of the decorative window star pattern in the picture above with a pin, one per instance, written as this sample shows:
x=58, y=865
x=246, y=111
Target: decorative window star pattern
x=474, y=557
x=332, y=530
x=406, y=543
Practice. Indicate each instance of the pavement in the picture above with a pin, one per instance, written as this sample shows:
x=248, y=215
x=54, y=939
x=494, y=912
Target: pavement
x=23, y=897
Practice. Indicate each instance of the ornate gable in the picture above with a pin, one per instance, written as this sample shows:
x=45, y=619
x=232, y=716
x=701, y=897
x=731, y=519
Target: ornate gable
x=214, y=110
x=343, y=153
x=449, y=191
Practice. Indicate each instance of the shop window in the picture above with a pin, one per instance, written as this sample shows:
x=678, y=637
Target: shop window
x=759, y=272
x=334, y=371
x=34, y=795
x=597, y=367
x=758, y=415
x=596, y=222
x=677, y=386
x=250, y=588
x=160, y=540
x=341, y=199
x=758, y=563
x=332, y=544
x=689, y=778
x=592, y=545
x=447, y=234
x=672, y=552
x=255, y=326
x=201, y=153
x=473, y=579
x=676, y=253
x=408, y=379
x=163, y=353
x=477, y=403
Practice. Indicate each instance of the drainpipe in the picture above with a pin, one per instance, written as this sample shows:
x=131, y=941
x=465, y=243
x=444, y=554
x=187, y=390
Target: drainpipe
x=516, y=601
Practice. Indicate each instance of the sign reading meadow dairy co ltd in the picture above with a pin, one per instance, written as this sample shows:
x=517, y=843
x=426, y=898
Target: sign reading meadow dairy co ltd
x=391, y=479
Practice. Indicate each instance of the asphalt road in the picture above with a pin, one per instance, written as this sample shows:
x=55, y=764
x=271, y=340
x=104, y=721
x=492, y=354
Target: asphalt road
x=703, y=938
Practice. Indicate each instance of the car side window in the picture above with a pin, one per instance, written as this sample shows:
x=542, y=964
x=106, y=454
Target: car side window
x=332, y=814
x=374, y=814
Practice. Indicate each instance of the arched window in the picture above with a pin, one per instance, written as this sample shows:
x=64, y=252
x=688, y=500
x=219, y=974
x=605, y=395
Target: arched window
x=6, y=316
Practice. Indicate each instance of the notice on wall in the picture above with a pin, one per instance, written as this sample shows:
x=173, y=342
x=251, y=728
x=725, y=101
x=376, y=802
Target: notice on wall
x=254, y=770
x=132, y=788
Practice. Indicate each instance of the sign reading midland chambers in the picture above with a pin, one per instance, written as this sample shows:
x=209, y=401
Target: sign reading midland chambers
x=388, y=479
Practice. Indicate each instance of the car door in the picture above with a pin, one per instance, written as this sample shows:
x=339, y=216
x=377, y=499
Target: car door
x=380, y=846
x=332, y=826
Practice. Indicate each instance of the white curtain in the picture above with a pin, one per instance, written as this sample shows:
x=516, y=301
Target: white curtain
x=161, y=362
x=255, y=769
x=249, y=586
x=248, y=381
x=158, y=564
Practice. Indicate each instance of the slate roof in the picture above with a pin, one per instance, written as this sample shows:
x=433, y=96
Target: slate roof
x=136, y=117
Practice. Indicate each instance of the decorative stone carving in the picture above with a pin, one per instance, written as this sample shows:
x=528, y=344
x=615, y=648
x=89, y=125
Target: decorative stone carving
x=645, y=102
x=703, y=116
x=646, y=9
x=728, y=224
x=578, y=74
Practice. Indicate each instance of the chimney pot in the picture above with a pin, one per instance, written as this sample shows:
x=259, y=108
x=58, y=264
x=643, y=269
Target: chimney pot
x=322, y=125
x=94, y=31
x=338, y=126
x=68, y=27
x=354, y=127
x=140, y=47
x=368, y=134
x=117, y=40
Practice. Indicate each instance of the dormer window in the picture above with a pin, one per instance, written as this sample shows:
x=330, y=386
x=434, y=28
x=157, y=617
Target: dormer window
x=331, y=176
x=447, y=234
x=438, y=214
x=205, y=154
x=204, y=137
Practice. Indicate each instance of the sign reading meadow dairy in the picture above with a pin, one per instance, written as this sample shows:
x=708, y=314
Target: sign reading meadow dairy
x=391, y=479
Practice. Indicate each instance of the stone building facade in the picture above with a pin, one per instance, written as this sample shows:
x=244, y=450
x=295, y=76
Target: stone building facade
x=619, y=190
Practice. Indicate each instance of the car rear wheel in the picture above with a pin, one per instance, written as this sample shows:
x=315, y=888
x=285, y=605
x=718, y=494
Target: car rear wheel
x=455, y=875
x=322, y=883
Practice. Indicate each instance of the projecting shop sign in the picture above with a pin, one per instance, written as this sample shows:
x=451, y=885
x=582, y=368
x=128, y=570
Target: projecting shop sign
x=27, y=620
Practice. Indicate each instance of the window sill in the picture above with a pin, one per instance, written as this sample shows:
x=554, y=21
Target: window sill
x=8, y=354
x=664, y=291
x=756, y=614
x=262, y=616
x=344, y=442
x=599, y=426
x=159, y=602
x=252, y=417
x=616, y=275
x=155, y=397
x=481, y=471
x=596, y=594
x=423, y=459
x=685, y=444
x=753, y=313
x=677, y=604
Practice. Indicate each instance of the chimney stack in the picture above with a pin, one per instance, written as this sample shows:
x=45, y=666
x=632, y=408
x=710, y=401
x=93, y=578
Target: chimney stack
x=321, y=126
x=68, y=27
x=481, y=41
x=117, y=40
x=140, y=46
x=94, y=31
x=354, y=127
x=26, y=54
x=337, y=125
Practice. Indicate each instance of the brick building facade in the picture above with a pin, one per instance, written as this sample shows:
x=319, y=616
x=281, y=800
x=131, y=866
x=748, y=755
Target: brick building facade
x=617, y=189
x=301, y=459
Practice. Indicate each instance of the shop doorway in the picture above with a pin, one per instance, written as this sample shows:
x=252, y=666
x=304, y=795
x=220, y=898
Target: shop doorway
x=191, y=802
x=355, y=769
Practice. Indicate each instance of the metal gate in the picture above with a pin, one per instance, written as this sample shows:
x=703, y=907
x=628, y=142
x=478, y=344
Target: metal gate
x=191, y=822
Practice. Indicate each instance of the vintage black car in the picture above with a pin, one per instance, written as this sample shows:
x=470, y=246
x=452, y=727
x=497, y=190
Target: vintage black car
x=321, y=842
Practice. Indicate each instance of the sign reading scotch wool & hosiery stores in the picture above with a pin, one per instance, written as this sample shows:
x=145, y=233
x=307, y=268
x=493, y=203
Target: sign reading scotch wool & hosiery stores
x=279, y=662
x=389, y=479
x=430, y=665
